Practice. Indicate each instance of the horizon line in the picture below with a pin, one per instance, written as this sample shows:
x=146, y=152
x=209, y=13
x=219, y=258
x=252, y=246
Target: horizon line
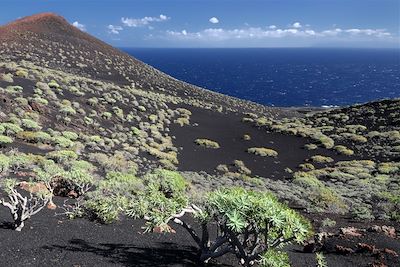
x=263, y=47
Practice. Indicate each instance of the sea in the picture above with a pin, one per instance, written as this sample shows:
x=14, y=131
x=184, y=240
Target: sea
x=286, y=77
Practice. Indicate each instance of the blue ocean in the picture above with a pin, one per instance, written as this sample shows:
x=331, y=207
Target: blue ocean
x=284, y=76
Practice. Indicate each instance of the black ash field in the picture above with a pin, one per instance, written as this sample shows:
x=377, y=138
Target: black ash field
x=84, y=128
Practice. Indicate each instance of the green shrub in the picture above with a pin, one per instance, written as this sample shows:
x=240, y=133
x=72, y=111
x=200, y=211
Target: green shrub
x=5, y=140
x=105, y=208
x=162, y=196
x=307, y=167
x=242, y=167
x=241, y=216
x=207, y=143
x=81, y=179
x=326, y=141
x=169, y=182
x=319, y=194
x=321, y=159
x=21, y=73
x=70, y=135
x=106, y=115
x=262, y=151
x=93, y=101
x=4, y=163
x=182, y=121
x=327, y=222
x=19, y=161
x=344, y=150
x=321, y=261
x=362, y=213
x=355, y=137
x=21, y=101
x=68, y=110
x=275, y=258
x=388, y=167
x=11, y=128
x=246, y=137
x=62, y=156
x=136, y=131
x=88, y=120
x=53, y=84
x=7, y=77
x=30, y=124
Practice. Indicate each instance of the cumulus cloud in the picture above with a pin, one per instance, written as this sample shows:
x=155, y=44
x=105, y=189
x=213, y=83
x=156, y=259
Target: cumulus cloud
x=297, y=25
x=79, y=26
x=133, y=22
x=219, y=34
x=214, y=20
x=114, y=29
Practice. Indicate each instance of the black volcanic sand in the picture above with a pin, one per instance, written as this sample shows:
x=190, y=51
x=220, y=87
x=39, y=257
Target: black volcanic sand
x=49, y=240
x=228, y=130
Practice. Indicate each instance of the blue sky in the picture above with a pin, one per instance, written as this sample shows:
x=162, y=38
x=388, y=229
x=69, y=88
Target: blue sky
x=225, y=23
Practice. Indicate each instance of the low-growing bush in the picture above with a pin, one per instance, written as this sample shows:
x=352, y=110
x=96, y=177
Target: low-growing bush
x=321, y=159
x=21, y=73
x=5, y=140
x=207, y=143
x=344, y=150
x=30, y=124
x=310, y=146
x=327, y=222
x=182, y=121
x=246, y=137
x=62, y=156
x=4, y=163
x=262, y=151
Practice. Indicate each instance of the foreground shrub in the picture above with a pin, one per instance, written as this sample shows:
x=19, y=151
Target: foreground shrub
x=251, y=225
x=164, y=196
x=112, y=196
x=320, y=195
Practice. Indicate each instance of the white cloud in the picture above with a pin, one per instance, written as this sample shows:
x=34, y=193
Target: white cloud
x=272, y=27
x=333, y=32
x=248, y=33
x=369, y=32
x=131, y=22
x=114, y=29
x=79, y=26
x=214, y=20
x=296, y=25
